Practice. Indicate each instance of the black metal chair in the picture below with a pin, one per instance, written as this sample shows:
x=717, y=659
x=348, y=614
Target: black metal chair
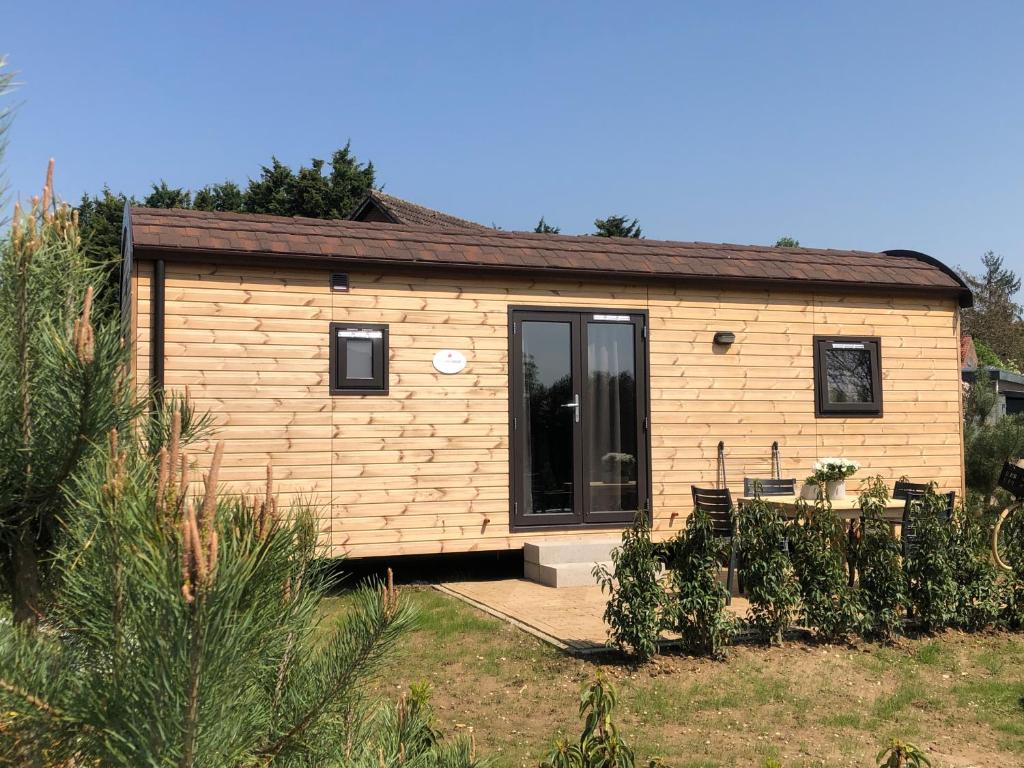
x=755, y=486
x=768, y=487
x=717, y=503
x=904, y=487
x=908, y=537
x=1012, y=479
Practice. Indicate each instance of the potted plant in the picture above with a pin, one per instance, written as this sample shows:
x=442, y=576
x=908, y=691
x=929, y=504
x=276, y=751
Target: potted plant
x=832, y=473
x=811, y=489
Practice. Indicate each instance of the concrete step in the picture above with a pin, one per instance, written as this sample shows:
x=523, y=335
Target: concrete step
x=577, y=550
x=563, y=574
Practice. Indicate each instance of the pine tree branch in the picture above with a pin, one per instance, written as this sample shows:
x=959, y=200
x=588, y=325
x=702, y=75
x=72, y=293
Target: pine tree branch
x=341, y=683
x=32, y=700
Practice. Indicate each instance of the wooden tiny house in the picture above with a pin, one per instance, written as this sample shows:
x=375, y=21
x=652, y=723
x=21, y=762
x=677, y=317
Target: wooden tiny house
x=445, y=390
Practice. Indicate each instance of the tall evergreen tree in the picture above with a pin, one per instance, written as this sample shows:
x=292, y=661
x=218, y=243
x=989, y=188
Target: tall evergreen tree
x=164, y=196
x=281, y=192
x=617, y=226
x=314, y=191
x=543, y=228
x=100, y=218
x=787, y=242
x=995, y=317
x=219, y=197
x=62, y=387
x=187, y=632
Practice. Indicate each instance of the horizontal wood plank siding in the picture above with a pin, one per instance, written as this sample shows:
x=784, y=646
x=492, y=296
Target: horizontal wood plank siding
x=425, y=469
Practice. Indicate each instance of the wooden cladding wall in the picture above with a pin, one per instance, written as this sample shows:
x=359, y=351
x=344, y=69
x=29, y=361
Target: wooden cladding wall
x=425, y=469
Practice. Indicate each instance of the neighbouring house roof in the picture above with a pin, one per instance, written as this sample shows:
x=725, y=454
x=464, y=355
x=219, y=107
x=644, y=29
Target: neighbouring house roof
x=269, y=240
x=1005, y=380
x=381, y=207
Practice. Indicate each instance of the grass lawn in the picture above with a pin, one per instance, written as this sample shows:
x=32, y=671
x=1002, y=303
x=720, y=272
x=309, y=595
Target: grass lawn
x=957, y=696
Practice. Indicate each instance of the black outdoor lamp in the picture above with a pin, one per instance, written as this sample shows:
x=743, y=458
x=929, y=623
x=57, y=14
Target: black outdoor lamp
x=725, y=338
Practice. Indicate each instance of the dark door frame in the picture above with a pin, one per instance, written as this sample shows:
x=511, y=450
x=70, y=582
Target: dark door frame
x=642, y=361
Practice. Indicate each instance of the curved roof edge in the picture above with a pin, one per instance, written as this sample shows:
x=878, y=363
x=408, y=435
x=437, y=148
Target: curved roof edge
x=965, y=296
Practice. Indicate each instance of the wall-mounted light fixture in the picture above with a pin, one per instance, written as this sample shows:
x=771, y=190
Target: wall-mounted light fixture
x=725, y=338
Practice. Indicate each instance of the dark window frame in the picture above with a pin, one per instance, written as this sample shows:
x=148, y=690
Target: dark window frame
x=339, y=383
x=822, y=407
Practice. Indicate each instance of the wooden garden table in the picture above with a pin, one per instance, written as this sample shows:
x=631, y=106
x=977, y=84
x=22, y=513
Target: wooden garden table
x=845, y=509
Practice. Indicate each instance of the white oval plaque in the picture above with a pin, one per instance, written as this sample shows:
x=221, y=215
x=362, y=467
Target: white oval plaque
x=449, y=361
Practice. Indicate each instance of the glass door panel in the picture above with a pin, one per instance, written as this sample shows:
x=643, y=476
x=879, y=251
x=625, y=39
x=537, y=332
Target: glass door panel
x=549, y=421
x=611, y=435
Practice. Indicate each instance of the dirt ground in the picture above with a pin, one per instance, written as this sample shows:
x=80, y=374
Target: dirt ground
x=959, y=697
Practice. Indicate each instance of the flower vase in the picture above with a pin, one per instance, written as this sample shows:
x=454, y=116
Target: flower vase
x=809, y=492
x=836, y=489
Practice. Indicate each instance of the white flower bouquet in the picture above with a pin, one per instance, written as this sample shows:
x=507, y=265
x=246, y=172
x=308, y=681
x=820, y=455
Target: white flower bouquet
x=834, y=469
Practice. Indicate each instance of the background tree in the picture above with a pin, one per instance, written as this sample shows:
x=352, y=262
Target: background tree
x=315, y=191
x=281, y=192
x=995, y=318
x=543, y=228
x=787, y=242
x=989, y=438
x=226, y=197
x=164, y=196
x=617, y=226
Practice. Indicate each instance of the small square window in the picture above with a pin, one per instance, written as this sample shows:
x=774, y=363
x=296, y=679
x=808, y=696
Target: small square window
x=847, y=376
x=359, y=359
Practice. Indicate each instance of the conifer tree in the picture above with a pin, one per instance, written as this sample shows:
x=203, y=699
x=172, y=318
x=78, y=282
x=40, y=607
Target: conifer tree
x=617, y=226
x=63, y=386
x=995, y=318
x=186, y=632
x=543, y=228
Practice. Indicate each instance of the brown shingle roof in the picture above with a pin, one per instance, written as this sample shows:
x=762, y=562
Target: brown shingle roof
x=209, y=236
x=401, y=211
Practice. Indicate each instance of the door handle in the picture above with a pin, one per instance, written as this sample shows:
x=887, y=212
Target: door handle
x=575, y=404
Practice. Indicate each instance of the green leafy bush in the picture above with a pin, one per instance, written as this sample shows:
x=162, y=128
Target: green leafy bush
x=979, y=588
x=931, y=580
x=883, y=586
x=599, y=745
x=768, y=576
x=633, y=613
x=817, y=542
x=695, y=604
x=900, y=754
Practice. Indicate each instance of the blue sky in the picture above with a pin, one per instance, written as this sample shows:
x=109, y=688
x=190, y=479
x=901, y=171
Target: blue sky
x=849, y=125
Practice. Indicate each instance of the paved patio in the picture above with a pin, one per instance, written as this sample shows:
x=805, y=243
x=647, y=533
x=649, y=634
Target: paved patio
x=569, y=617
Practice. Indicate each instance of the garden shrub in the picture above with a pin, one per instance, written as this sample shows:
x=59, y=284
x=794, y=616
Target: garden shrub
x=979, y=588
x=901, y=754
x=883, y=586
x=931, y=580
x=695, y=606
x=599, y=744
x=817, y=543
x=768, y=575
x=633, y=614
